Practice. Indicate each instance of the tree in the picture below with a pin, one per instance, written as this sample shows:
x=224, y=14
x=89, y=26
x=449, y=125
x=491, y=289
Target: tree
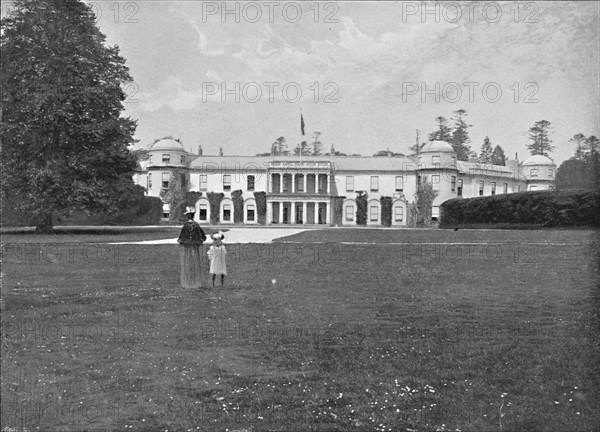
x=64, y=140
x=301, y=149
x=220, y=151
x=460, y=136
x=579, y=141
x=485, y=156
x=317, y=145
x=541, y=144
x=592, y=145
x=443, y=133
x=498, y=156
x=424, y=201
x=279, y=147
x=176, y=195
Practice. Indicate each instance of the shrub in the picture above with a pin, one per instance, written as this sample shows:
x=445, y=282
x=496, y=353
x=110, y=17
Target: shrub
x=238, y=206
x=338, y=209
x=545, y=208
x=261, y=207
x=386, y=211
x=361, y=208
x=214, y=200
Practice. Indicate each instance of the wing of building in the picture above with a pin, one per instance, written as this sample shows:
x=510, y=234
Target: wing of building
x=303, y=189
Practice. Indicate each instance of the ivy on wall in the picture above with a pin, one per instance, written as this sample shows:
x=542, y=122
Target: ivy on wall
x=261, y=206
x=386, y=210
x=338, y=209
x=238, y=206
x=214, y=199
x=361, y=207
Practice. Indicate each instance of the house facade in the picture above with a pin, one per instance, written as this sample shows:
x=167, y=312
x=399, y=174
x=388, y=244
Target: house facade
x=322, y=190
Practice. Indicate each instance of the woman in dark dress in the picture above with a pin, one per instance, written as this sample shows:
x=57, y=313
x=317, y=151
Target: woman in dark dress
x=191, y=238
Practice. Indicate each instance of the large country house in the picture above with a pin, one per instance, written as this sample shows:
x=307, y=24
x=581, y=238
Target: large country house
x=303, y=189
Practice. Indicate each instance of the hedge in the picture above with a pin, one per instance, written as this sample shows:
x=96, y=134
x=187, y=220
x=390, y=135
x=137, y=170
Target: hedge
x=214, y=200
x=338, y=210
x=238, y=206
x=361, y=208
x=544, y=208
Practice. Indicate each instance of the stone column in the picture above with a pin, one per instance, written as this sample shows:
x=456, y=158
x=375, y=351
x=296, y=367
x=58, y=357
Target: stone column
x=305, y=182
x=269, y=220
x=293, y=183
x=304, y=214
x=292, y=212
x=316, y=213
x=327, y=215
x=327, y=178
x=281, y=183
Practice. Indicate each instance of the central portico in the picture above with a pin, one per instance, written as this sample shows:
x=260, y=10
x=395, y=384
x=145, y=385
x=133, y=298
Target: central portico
x=299, y=192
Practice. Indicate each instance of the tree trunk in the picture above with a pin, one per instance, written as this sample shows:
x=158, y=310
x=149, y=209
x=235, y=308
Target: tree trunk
x=45, y=224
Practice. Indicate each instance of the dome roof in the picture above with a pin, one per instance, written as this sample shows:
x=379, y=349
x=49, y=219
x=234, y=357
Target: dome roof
x=167, y=144
x=437, y=146
x=538, y=160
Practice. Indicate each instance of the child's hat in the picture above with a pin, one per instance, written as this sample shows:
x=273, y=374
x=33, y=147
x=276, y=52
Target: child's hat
x=218, y=236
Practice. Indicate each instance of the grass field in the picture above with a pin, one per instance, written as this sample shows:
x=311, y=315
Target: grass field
x=421, y=330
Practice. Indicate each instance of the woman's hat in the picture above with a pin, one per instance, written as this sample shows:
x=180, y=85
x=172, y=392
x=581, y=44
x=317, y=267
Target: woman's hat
x=190, y=209
x=217, y=236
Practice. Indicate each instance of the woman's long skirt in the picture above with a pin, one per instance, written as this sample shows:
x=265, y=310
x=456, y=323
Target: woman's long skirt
x=191, y=269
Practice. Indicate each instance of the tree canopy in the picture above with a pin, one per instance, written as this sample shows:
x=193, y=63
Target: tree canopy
x=64, y=140
x=539, y=135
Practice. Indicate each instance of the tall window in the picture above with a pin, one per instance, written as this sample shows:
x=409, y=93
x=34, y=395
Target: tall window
x=374, y=183
x=517, y=188
x=226, y=182
x=166, y=158
x=250, y=182
x=150, y=159
x=481, y=185
x=202, y=212
x=399, y=183
x=349, y=183
x=550, y=187
x=435, y=182
x=182, y=160
x=373, y=213
x=505, y=188
x=165, y=180
x=435, y=212
x=533, y=172
x=398, y=213
x=250, y=212
x=453, y=183
x=349, y=213
x=149, y=181
x=203, y=182
x=226, y=212
x=435, y=160
x=493, y=188
x=460, y=187
x=550, y=172
x=299, y=179
x=532, y=187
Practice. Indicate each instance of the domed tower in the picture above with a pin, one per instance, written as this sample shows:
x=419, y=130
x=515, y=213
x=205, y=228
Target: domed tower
x=437, y=165
x=165, y=156
x=539, y=172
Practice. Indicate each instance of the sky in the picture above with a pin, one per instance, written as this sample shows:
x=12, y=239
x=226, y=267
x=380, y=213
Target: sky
x=366, y=75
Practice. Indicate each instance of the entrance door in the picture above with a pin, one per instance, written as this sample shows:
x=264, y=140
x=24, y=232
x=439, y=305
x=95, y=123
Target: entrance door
x=286, y=213
x=322, y=207
x=310, y=213
x=299, y=215
x=275, y=212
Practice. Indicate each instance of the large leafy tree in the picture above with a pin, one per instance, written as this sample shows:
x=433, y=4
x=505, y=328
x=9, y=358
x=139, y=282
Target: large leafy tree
x=443, y=132
x=460, y=136
x=64, y=140
x=539, y=135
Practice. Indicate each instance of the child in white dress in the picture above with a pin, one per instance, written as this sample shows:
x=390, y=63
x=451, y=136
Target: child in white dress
x=217, y=254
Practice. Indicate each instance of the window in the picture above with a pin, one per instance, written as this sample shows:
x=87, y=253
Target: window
x=203, y=212
x=166, y=158
x=150, y=160
x=550, y=173
x=350, y=213
x=532, y=187
x=226, y=182
x=533, y=172
x=505, y=190
x=149, y=180
x=203, y=181
x=550, y=187
x=374, y=183
x=493, y=188
x=517, y=188
x=373, y=213
x=399, y=183
x=453, y=183
x=453, y=160
x=398, y=213
x=460, y=187
x=250, y=212
x=299, y=179
x=250, y=183
x=182, y=160
x=226, y=212
x=435, y=212
x=481, y=186
x=435, y=160
x=349, y=183
x=166, y=210
x=435, y=182
x=165, y=180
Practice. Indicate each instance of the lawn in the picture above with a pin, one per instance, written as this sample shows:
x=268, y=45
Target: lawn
x=498, y=331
